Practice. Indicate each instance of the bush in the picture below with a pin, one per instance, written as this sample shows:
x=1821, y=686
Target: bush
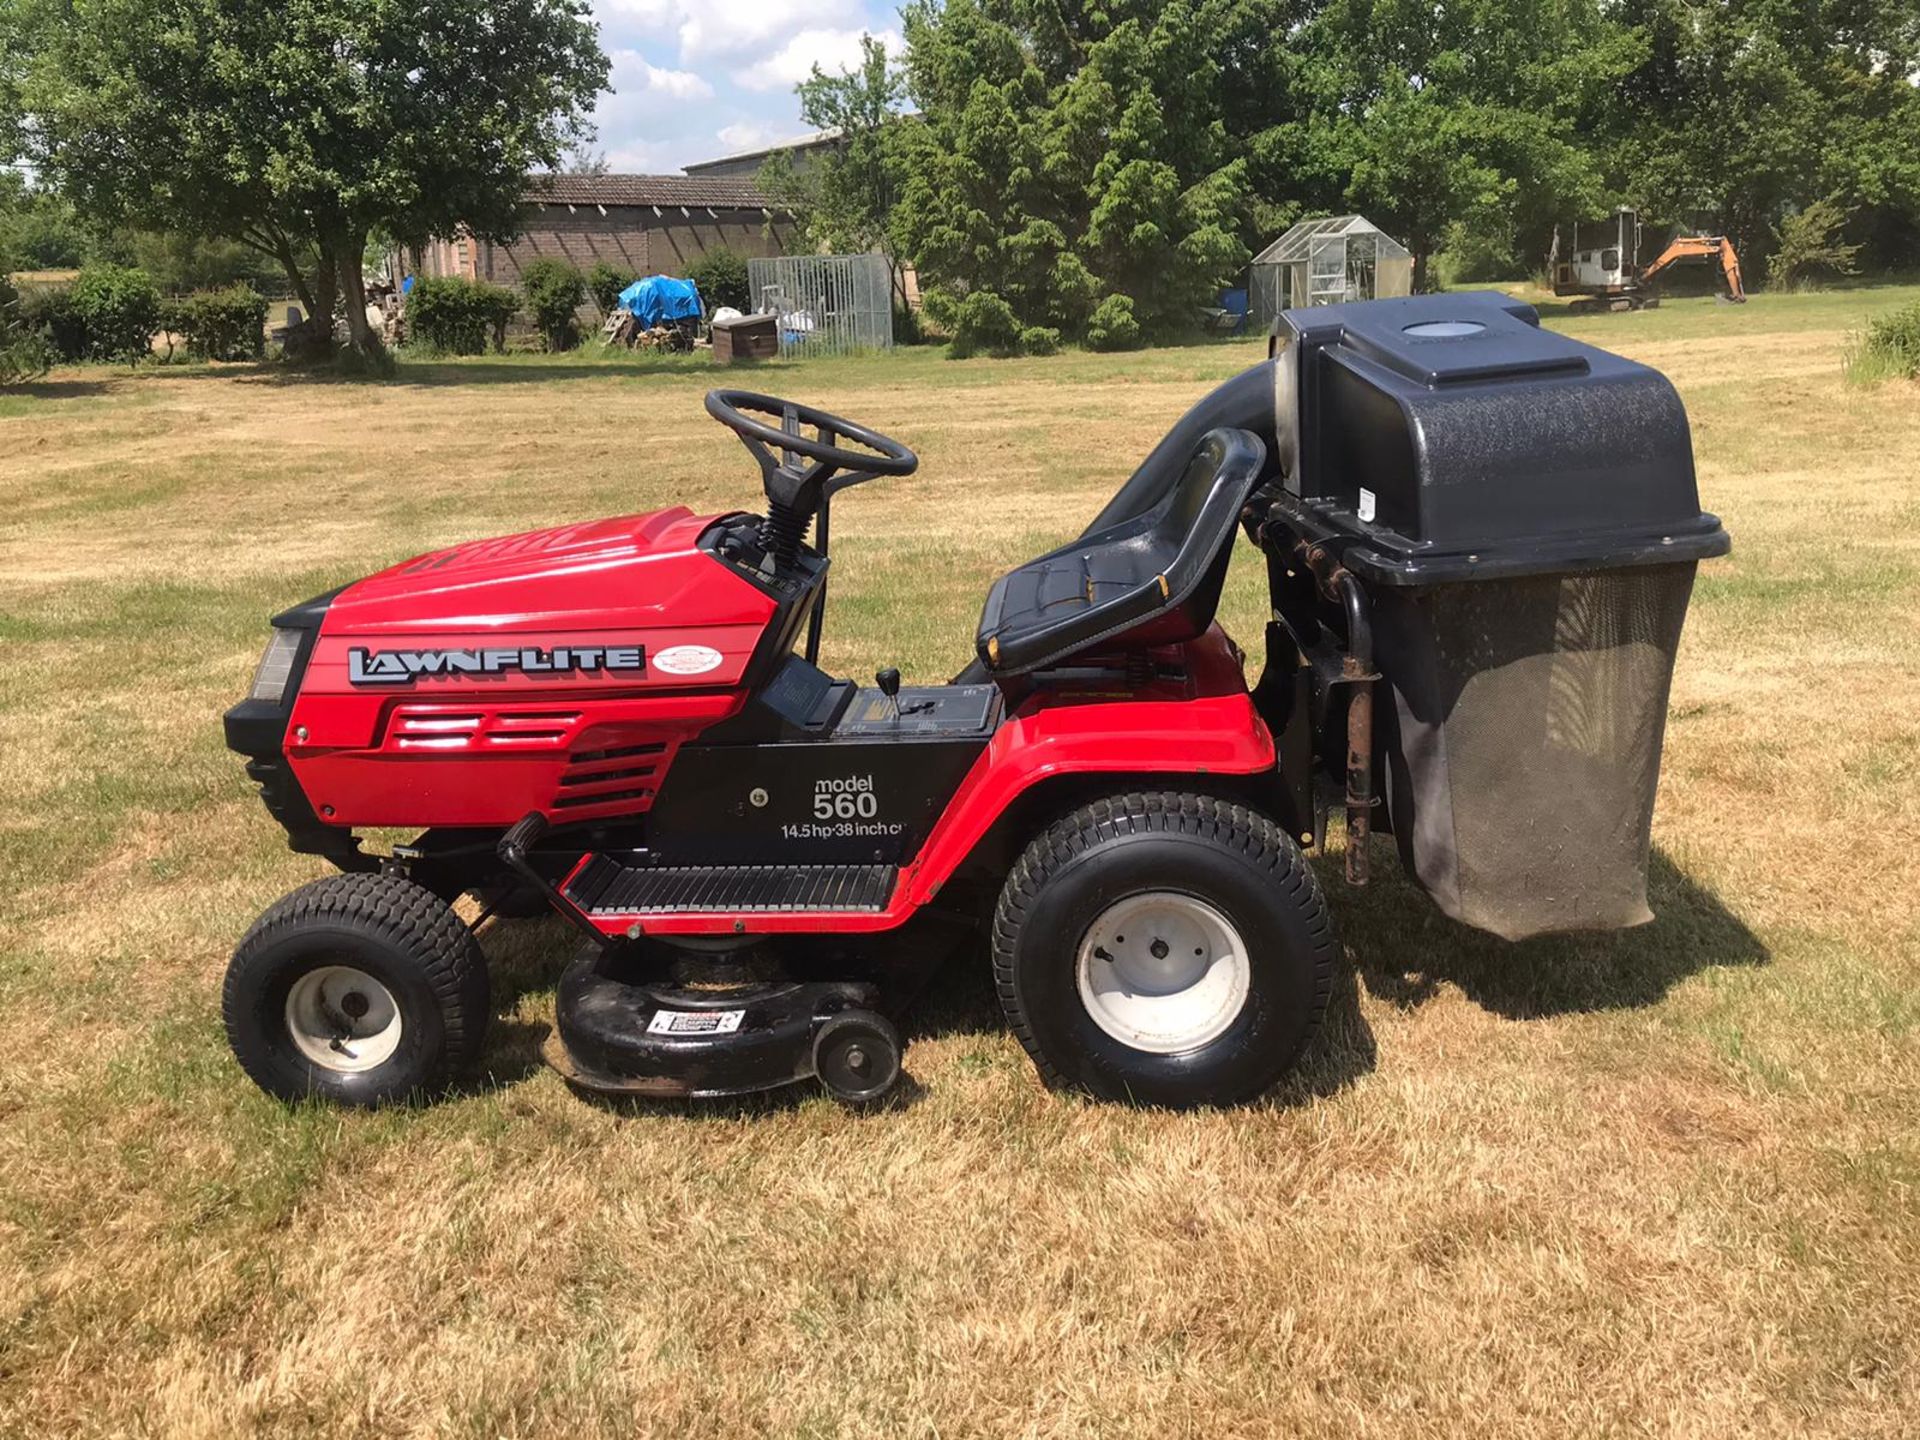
x=721, y=277
x=605, y=281
x=1811, y=245
x=23, y=352
x=979, y=323
x=225, y=324
x=1112, y=326
x=117, y=311
x=1040, y=340
x=47, y=311
x=555, y=290
x=1890, y=348
x=457, y=316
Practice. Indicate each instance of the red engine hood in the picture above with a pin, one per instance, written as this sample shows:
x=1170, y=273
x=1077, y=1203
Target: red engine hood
x=636, y=572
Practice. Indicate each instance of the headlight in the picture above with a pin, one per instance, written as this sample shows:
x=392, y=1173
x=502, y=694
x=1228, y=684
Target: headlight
x=270, y=680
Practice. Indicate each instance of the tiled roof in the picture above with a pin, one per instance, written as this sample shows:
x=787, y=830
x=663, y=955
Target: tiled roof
x=719, y=191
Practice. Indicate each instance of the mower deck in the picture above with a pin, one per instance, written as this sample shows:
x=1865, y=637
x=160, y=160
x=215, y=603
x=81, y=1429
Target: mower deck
x=625, y=1032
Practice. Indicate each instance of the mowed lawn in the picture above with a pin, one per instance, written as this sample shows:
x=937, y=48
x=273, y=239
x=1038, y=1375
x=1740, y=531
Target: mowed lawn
x=1665, y=1182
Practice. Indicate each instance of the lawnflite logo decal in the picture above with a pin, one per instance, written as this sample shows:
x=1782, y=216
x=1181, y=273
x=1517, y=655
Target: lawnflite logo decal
x=403, y=667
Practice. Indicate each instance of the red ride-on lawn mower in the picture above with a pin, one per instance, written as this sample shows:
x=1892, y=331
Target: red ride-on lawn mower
x=1480, y=539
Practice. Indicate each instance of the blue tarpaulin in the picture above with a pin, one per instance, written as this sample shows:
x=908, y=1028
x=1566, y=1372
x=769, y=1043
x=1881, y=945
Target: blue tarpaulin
x=659, y=298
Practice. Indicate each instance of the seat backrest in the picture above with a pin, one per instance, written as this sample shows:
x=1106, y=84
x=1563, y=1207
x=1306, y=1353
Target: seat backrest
x=1153, y=579
x=1189, y=533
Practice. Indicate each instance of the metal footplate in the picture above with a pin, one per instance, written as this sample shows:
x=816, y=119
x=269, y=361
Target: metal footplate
x=606, y=887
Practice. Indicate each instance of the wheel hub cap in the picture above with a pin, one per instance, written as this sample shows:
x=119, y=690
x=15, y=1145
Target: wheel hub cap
x=1163, y=972
x=342, y=1019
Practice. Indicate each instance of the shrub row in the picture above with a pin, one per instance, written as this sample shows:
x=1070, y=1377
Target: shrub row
x=605, y=282
x=720, y=276
x=983, y=323
x=112, y=313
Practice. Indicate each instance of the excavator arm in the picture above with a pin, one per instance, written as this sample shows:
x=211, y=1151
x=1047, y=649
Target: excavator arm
x=1701, y=247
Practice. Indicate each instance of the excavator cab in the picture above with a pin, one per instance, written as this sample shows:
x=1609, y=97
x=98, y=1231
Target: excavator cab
x=1601, y=270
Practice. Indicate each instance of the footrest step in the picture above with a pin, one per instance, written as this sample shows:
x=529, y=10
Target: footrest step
x=606, y=887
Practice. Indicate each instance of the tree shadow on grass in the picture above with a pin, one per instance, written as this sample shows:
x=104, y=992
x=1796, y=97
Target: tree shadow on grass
x=1406, y=949
x=483, y=371
x=65, y=389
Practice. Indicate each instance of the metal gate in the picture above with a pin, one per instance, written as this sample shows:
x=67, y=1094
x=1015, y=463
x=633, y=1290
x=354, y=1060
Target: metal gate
x=827, y=304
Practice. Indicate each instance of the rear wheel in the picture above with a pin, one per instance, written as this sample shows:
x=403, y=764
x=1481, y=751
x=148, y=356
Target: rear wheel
x=1166, y=949
x=358, y=988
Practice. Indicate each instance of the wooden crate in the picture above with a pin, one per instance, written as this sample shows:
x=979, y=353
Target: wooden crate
x=751, y=337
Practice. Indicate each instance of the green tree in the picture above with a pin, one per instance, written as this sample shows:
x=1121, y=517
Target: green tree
x=1741, y=112
x=1474, y=117
x=843, y=195
x=1069, y=152
x=301, y=128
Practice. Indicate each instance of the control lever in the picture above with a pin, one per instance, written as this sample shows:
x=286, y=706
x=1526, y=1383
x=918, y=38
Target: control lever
x=889, y=682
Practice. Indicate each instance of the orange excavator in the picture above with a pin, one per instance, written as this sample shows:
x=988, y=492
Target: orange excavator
x=1602, y=270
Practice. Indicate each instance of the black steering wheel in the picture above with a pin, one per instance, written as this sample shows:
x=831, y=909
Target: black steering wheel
x=806, y=468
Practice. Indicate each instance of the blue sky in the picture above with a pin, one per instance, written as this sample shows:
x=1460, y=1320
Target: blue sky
x=696, y=79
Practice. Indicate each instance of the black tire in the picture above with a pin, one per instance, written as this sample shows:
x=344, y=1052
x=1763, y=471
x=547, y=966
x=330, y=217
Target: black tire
x=403, y=936
x=1232, y=859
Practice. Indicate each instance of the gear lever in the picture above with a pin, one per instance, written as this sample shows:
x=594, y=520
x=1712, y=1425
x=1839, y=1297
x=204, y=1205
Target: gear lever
x=889, y=682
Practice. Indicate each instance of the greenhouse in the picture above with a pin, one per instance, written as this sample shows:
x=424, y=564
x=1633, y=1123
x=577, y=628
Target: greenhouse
x=1327, y=262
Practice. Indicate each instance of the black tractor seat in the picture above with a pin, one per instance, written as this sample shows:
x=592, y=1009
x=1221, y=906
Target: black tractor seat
x=1152, y=579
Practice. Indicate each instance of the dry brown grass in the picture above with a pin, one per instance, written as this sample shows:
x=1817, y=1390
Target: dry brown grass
x=1658, y=1183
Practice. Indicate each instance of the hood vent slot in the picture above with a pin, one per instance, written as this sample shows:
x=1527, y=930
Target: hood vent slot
x=618, y=775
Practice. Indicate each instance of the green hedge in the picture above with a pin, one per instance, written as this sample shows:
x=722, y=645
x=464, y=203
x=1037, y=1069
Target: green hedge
x=447, y=313
x=109, y=312
x=225, y=324
x=555, y=290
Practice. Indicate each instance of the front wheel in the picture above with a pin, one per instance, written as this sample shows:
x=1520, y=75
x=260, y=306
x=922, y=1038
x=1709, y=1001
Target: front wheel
x=359, y=988
x=1164, y=949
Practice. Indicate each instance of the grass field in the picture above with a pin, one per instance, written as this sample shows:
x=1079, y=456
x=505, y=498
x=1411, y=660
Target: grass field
x=1658, y=1183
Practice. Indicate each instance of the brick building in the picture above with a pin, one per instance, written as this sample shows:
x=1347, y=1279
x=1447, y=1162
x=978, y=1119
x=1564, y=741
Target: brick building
x=649, y=224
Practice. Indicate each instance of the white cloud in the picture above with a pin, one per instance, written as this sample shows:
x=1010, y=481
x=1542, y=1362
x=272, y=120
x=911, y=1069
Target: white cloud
x=644, y=14
x=693, y=79
x=634, y=75
x=710, y=28
x=831, y=50
x=752, y=135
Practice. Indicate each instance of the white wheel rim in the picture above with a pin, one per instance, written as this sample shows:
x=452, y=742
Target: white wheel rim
x=1163, y=972
x=342, y=1019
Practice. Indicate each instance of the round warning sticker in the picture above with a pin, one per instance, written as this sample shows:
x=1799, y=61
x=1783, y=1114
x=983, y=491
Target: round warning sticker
x=687, y=659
